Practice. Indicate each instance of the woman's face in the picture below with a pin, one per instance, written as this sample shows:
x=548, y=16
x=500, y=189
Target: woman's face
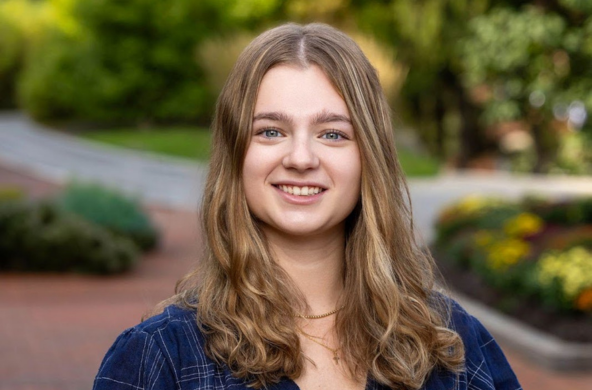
x=302, y=169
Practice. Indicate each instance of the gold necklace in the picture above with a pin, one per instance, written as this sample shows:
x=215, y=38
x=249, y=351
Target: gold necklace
x=315, y=339
x=317, y=316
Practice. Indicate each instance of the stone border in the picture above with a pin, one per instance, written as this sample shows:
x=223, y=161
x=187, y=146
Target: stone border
x=543, y=349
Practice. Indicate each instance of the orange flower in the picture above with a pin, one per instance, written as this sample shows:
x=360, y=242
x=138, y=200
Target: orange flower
x=584, y=300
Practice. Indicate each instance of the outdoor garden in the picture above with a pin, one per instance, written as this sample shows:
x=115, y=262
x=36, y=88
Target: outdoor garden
x=491, y=85
x=530, y=258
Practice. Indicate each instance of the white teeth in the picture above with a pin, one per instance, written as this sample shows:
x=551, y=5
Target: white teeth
x=300, y=191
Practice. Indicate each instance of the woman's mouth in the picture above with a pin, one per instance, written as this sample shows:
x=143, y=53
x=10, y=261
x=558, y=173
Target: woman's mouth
x=300, y=191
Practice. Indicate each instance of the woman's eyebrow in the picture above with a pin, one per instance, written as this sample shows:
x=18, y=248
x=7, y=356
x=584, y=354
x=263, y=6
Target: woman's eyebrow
x=320, y=118
x=328, y=117
x=274, y=116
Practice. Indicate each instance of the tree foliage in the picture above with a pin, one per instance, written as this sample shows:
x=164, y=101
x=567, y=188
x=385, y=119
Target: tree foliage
x=512, y=53
x=134, y=61
x=532, y=65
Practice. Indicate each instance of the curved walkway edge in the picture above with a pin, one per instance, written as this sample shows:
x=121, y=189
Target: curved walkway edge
x=537, y=346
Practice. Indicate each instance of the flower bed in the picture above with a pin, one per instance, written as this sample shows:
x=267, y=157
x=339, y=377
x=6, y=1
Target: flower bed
x=531, y=259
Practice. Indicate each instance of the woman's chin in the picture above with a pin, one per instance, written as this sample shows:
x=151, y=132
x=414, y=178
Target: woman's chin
x=303, y=230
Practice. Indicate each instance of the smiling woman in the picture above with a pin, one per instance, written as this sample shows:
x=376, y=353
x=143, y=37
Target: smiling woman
x=311, y=276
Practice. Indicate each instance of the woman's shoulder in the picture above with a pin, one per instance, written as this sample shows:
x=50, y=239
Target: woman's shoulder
x=166, y=331
x=162, y=352
x=172, y=319
x=485, y=363
x=470, y=329
x=459, y=320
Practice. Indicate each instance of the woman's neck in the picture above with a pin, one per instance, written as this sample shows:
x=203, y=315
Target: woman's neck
x=315, y=264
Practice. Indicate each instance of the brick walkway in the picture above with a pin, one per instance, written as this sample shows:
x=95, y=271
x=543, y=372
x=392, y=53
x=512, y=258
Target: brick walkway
x=55, y=329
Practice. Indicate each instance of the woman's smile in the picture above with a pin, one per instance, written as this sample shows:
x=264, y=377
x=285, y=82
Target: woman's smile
x=300, y=195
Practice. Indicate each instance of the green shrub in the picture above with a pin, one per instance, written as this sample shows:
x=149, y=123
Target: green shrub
x=460, y=250
x=135, y=61
x=11, y=53
x=50, y=85
x=43, y=237
x=111, y=210
x=495, y=217
x=23, y=23
x=566, y=212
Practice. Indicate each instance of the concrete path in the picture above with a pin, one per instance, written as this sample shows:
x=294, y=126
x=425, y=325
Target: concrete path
x=58, y=158
x=178, y=183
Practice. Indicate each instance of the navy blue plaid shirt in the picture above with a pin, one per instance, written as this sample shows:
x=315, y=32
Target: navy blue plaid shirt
x=167, y=352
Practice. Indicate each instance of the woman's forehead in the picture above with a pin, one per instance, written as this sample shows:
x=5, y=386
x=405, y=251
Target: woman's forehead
x=293, y=91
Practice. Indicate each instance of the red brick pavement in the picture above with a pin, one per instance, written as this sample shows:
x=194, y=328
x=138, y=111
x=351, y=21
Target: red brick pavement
x=55, y=329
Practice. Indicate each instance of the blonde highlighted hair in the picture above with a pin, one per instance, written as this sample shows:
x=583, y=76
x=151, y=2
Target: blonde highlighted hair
x=394, y=326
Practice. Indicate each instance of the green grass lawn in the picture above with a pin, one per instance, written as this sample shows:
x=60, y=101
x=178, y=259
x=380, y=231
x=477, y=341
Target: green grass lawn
x=194, y=143
x=415, y=164
x=189, y=142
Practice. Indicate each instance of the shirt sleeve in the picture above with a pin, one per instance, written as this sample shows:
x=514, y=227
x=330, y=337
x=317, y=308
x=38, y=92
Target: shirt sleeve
x=501, y=376
x=486, y=367
x=134, y=361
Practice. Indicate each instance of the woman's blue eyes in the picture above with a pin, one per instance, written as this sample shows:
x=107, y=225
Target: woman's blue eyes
x=271, y=133
x=333, y=135
x=330, y=135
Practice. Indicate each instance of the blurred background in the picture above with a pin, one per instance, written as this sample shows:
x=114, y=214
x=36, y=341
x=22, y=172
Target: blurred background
x=104, y=114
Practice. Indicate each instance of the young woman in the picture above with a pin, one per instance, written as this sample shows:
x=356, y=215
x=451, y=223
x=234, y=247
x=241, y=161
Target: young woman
x=311, y=276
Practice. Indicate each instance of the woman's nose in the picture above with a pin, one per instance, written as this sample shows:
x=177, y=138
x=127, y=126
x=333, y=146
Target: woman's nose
x=301, y=155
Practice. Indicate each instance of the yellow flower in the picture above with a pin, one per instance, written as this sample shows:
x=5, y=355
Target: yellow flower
x=471, y=204
x=467, y=206
x=524, y=224
x=572, y=268
x=483, y=238
x=505, y=253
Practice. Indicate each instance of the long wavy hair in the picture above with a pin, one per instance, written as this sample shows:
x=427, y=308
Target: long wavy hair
x=394, y=326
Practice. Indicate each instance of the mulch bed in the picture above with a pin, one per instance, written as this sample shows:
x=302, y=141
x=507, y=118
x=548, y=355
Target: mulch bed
x=574, y=328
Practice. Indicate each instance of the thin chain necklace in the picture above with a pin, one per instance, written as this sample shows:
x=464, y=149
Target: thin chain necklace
x=315, y=339
x=317, y=316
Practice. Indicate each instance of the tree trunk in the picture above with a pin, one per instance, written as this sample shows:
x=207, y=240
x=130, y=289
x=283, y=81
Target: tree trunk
x=440, y=112
x=471, y=142
x=541, y=164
